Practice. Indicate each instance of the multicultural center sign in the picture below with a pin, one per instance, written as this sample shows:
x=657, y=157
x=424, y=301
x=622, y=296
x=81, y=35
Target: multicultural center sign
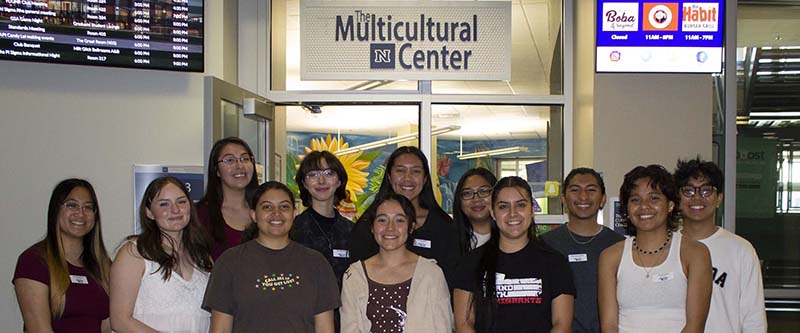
x=441, y=40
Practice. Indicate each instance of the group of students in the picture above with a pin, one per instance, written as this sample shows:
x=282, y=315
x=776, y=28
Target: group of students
x=241, y=261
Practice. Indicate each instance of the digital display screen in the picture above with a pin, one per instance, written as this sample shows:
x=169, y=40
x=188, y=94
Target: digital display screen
x=659, y=37
x=150, y=34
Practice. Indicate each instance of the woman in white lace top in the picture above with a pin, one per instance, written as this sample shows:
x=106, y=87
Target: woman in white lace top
x=159, y=277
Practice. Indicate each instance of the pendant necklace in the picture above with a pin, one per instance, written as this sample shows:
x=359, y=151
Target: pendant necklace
x=639, y=252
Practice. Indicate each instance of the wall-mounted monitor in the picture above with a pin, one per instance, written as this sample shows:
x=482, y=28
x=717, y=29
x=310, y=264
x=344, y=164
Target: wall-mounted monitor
x=152, y=34
x=659, y=36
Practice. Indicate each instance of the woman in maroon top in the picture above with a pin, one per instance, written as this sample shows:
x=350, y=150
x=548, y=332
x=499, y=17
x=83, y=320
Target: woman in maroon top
x=62, y=281
x=231, y=178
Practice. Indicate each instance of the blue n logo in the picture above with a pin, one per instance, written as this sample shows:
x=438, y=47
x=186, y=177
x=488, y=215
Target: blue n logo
x=381, y=55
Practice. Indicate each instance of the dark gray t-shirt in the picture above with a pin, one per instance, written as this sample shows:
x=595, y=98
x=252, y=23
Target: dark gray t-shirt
x=269, y=290
x=583, y=260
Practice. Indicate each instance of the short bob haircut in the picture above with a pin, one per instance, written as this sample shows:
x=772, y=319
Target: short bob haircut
x=659, y=179
x=313, y=161
x=698, y=168
x=408, y=209
x=584, y=171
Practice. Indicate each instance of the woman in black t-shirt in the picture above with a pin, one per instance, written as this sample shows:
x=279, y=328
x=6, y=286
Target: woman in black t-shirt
x=530, y=285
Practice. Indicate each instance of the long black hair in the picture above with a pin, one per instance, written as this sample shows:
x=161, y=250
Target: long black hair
x=485, y=300
x=459, y=217
x=149, y=242
x=213, y=197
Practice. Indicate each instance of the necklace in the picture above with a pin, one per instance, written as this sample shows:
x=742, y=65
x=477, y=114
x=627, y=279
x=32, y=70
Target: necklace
x=647, y=269
x=322, y=231
x=636, y=246
x=584, y=242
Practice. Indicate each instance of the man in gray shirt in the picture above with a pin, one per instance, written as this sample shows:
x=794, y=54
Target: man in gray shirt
x=581, y=240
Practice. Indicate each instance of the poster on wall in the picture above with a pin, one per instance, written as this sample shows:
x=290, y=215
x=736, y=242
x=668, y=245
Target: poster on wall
x=190, y=175
x=414, y=40
x=756, y=178
x=615, y=221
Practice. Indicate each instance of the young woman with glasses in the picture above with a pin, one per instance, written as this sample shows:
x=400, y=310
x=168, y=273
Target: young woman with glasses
x=655, y=281
x=270, y=283
x=160, y=275
x=61, y=282
x=472, y=203
x=395, y=290
x=224, y=209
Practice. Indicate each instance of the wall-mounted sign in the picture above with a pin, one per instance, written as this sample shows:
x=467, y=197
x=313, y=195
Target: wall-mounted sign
x=660, y=37
x=143, y=174
x=386, y=40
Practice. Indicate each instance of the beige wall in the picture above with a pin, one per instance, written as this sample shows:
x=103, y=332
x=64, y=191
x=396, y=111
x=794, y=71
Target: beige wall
x=61, y=121
x=624, y=120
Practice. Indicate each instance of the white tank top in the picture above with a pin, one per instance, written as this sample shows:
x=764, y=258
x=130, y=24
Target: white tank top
x=172, y=305
x=654, y=304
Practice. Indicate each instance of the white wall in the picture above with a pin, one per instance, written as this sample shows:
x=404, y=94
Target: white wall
x=61, y=121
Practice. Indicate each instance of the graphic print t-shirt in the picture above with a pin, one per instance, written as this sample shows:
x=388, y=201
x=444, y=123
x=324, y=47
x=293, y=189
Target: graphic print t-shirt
x=269, y=290
x=527, y=281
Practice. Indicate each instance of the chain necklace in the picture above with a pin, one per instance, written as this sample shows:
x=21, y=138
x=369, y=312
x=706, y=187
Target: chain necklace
x=636, y=246
x=584, y=242
x=322, y=231
x=647, y=269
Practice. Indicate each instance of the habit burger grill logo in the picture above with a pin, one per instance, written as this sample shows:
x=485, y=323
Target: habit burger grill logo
x=660, y=17
x=700, y=16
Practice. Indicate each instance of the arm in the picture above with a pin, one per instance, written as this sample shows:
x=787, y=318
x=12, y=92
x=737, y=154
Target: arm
x=350, y=310
x=752, y=314
x=323, y=322
x=607, y=288
x=126, y=277
x=698, y=291
x=34, y=303
x=221, y=322
x=105, y=326
x=562, y=307
x=464, y=311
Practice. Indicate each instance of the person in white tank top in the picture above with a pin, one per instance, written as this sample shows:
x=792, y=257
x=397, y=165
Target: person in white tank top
x=159, y=277
x=655, y=281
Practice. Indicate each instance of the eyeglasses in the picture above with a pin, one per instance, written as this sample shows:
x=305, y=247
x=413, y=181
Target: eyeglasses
x=75, y=207
x=705, y=190
x=244, y=159
x=481, y=193
x=315, y=174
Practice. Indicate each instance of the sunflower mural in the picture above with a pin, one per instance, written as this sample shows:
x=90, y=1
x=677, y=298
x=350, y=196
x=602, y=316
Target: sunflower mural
x=355, y=165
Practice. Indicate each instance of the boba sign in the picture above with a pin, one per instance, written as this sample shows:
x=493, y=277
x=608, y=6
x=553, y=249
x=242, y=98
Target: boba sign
x=405, y=41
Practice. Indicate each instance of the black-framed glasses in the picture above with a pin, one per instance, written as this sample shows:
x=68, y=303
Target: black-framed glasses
x=230, y=160
x=75, y=207
x=315, y=174
x=705, y=191
x=481, y=193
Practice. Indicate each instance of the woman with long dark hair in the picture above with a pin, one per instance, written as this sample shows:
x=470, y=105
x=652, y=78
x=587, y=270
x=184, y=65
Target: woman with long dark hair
x=435, y=236
x=269, y=283
x=655, y=281
x=159, y=276
x=514, y=282
x=224, y=209
x=471, y=205
x=395, y=290
x=61, y=282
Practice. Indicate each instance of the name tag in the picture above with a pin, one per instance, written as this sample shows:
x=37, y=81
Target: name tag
x=337, y=253
x=79, y=279
x=418, y=242
x=663, y=277
x=580, y=257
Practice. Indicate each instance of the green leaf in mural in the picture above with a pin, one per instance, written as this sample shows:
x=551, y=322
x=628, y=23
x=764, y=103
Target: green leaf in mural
x=291, y=171
x=370, y=156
